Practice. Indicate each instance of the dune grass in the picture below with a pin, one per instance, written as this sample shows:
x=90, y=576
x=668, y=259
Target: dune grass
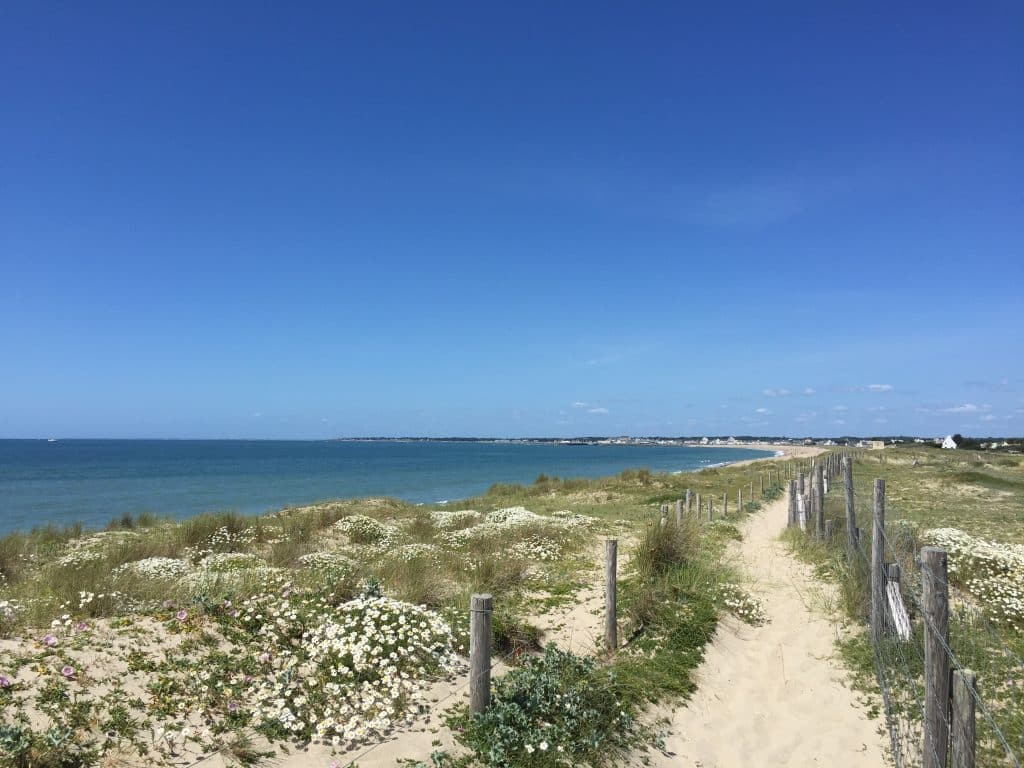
x=157, y=641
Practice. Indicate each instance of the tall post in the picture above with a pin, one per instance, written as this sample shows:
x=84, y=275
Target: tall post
x=699, y=508
x=679, y=512
x=792, y=503
x=851, y=514
x=819, y=501
x=965, y=688
x=877, y=562
x=664, y=514
x=480, y=608
x=739, y=501
x=801, y=484
x=725, y=504
x=688, y=502
x=761, y=478
x=611, y=627
x=711, y=510
x=751, y=494
x=935, y=606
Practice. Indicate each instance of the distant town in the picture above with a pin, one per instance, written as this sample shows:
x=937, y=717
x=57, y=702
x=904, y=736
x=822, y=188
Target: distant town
x=952, y=442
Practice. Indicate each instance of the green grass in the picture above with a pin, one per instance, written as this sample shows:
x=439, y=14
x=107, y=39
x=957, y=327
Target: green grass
x=928, y=489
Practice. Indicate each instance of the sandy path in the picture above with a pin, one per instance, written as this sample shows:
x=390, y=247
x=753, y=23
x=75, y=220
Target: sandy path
x=773, y=695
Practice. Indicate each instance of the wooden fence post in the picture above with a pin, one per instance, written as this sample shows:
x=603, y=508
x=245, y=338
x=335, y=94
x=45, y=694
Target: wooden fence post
x=935, y=606
x=761, y=478
x=851, y=514
x=480, y=608
x=751, y=494
x=700, y=509
x=792, y=503
x=687, y=502
x=664, y=514
x=739, y=501
x=819, y=501
x=965, y=688
x=877, y=562
x=711, y=510
x=611, y=626
x=801, y=484
x=679, y=512
x=725, y=504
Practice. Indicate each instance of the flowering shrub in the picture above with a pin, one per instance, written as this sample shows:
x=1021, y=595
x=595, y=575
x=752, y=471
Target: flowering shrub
x=537, y=548
x=455, y=519
x=992, y=572
x=409, y=552
x=357, y=671
x=154, y=568
x=559, y=709
x=361, y=529
x=742, y=605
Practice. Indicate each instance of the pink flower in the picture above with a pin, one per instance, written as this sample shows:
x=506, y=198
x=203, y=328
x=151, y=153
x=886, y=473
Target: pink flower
x=49, y=641
x=68, y=672
x=263, y=658
x=5, y=681
x=181, y=615
x=81, y=626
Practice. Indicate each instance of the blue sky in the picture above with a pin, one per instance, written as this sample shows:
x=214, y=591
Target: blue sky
x=526, y=219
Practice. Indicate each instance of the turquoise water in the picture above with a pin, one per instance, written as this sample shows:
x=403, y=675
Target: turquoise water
x=93, y=481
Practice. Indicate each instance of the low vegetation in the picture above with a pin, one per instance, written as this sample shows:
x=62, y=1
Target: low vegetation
x=158, y=642
x=970, y=504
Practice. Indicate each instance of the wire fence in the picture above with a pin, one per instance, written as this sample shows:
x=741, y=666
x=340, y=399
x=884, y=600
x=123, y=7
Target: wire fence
x=914, y=663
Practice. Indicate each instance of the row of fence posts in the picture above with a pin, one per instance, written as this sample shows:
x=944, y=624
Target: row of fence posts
x=949, y=705
x=481, y=606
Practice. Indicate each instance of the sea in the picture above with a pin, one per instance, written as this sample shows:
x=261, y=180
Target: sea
x=94, y=481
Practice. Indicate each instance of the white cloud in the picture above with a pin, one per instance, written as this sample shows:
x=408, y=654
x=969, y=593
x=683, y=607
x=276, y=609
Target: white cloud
x=881, y=420
x=806, y=416
x=764, y=411
x=579, y=404
x=839, y=421
x=597, y=410
x=987, y=417
x=967, y=408
x=840, y=408
x=879, y=387
x=776, y=392
x=875, y=408
x=810, y=391
x=257, y=415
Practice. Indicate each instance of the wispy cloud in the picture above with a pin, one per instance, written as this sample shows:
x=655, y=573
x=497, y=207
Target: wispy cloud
x=763, y=411
x=776, y=392
x=840, y=408
x=579, y=404
x=806, y=416
x=839, y=421
x=987, y=417
x=598, y=410
x=810, y=391
x=879, y=387
x=967, y=408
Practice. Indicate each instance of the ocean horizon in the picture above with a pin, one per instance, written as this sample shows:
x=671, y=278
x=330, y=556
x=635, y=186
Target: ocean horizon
x=93, y=481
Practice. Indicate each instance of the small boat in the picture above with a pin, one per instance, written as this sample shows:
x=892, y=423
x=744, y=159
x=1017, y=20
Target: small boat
x=52, y=440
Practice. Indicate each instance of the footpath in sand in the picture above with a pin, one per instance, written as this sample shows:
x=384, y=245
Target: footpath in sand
x=773, y=695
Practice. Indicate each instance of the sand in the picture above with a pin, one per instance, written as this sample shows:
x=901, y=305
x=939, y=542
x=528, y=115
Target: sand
x=774, y=695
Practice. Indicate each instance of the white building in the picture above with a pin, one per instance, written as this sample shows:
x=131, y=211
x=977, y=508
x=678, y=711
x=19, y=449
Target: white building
x=949, y=442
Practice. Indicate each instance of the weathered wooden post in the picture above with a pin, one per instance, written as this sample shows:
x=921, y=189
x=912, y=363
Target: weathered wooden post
x=611, y=626
x=877, y=562
x=965, y=688
x=761, y=478
x=480, y=608
x=700, y=509
x=725, y=504
x=711, y=510
x=679, y=512
x=792, y=503
x=664, y=514
x=819, y=501
x=801, y=484
x=751, y=494
x=687, y=502
x=739, y=501
x=935, y=606
x=851, y=514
